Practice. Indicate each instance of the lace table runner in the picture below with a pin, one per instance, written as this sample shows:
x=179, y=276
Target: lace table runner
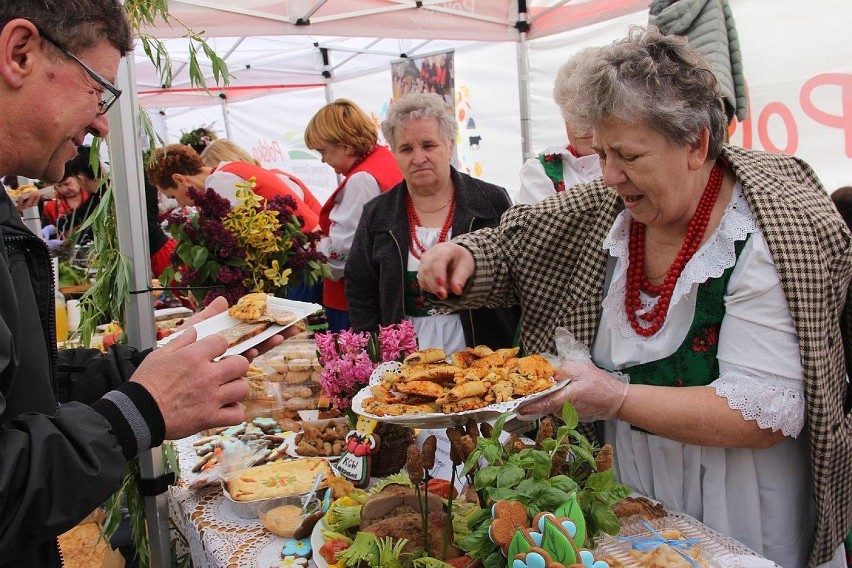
x=216, y=536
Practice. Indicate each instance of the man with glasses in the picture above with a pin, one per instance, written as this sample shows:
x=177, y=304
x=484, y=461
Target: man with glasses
x=58, y=62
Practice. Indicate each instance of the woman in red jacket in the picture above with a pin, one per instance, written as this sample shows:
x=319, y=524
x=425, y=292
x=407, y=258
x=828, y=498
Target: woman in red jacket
x=347, y=140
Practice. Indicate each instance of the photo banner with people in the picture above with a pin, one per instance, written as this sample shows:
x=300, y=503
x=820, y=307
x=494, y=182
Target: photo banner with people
x=433, y=73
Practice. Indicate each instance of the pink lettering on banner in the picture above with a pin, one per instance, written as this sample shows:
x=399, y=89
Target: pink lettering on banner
x=842, y=121
x=266, y=151
x=782, y=111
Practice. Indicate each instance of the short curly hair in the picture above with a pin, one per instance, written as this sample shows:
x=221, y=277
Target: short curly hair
x=342, y=122
x=419, y=105
x=647, y=77
x=174, y=159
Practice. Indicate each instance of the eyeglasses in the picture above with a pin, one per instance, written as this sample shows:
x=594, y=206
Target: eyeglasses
x=110, y=93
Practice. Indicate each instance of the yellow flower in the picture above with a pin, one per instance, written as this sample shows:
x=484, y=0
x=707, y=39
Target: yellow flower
x=276, y=276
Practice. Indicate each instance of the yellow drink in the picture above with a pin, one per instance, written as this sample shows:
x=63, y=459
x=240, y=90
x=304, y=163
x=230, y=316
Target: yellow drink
x=61, y=318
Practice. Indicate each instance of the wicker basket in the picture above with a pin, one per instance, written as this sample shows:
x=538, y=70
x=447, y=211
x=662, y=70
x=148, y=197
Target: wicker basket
x=393, y=449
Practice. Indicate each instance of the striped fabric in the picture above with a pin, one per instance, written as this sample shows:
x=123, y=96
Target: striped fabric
x=549, y=258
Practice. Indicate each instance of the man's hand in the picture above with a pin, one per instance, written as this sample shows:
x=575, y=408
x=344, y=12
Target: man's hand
x=445, y=268
x=30, y=200
x=193, y=391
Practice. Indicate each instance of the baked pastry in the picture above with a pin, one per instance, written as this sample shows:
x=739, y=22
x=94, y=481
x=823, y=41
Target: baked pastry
x=238, y=333
x=277, y=479
x=250, y=307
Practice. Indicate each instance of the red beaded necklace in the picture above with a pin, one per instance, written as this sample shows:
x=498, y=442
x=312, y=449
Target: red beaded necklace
x=636, y=278
x=414, y=244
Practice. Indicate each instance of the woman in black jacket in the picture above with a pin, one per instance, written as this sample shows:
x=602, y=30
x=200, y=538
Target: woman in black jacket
x=433, y=203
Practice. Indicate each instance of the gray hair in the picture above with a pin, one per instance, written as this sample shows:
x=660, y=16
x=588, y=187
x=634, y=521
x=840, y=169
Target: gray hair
x=419, y=105
x=76, y=25
x=649, y=77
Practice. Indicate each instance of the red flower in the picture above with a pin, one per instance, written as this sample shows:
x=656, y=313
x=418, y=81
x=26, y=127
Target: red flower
x=708, y=338
x=551, y=157
x=560, y=186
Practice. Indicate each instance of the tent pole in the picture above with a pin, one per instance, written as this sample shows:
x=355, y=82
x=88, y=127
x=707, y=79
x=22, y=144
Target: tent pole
x=126, y=173
x=524, y=79
x=225, y=116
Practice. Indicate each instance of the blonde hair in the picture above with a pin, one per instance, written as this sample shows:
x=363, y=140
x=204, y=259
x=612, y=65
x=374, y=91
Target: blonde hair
x=342, y=122
x=223, y=150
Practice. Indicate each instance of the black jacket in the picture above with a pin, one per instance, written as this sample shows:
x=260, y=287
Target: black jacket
x=57, y=463
x=378, y=260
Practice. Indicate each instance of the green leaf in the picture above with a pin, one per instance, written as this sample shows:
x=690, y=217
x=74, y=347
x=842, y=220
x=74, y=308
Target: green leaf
x=478, y=517
x=498, y=427
x=584, y=454
x=564, y=483
x=509, y=475
x=502, y=493
x=485, y=477
x=184, y=252
x=495, y=559
x=601, y=481
x=199, y=256
x=492, y=453
x=569, y=415
x=543, y=465
x=530, y=488
x=612, y=496
x=604, y=519
x=548, y=444
x=551, y=498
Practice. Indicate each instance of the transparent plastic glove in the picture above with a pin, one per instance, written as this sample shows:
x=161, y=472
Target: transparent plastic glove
x=54, y=244
x=596, y=394
x=47, y=232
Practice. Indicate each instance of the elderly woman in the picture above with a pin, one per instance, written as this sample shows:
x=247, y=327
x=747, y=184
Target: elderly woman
x=347, y=140
x=560, y=167
x=433, y=203
x=712, y=279
x=177, y=168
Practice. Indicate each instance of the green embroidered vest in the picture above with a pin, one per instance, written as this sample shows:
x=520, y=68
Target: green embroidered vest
x=694, y=363
x=552, y=164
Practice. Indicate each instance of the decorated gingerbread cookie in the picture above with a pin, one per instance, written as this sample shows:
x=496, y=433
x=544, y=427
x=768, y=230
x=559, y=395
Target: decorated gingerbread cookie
x=536, y=558
x=509, y=516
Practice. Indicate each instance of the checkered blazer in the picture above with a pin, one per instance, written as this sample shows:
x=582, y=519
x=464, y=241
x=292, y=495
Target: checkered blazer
x=549, y=258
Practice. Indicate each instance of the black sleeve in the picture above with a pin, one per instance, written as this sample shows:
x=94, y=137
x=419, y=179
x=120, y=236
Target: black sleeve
x=362, y=280
x=157, y=237
x=85, y=375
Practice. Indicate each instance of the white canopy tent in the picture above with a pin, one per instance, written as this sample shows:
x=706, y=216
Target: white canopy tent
x=276, y=49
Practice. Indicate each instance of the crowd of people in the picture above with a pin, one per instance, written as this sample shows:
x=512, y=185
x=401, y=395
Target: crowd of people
x=707, y=282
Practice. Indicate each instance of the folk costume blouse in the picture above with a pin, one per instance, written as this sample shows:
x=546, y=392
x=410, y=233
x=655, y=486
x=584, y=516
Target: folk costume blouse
x=728, y=314
x=554, y=170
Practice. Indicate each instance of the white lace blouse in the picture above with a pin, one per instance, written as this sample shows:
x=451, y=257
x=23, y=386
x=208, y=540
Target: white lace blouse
x=762, y=498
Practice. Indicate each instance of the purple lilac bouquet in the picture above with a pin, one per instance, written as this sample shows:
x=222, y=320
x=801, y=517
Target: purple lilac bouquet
x=256, y=246
x=349, y=357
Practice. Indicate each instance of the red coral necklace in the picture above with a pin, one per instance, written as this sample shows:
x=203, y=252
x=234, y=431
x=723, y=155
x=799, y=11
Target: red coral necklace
x=414, y=244
x=636, y=278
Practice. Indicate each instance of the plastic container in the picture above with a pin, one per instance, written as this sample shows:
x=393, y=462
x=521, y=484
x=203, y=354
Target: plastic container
x=276, y=519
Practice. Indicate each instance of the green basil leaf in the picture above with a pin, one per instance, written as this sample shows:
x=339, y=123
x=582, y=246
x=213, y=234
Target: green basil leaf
x=503, y=493
x=542, y=466
x=551, y=498
x=564, y=483
x=495, y=559
x=614, y=495
x=509, y=475
x=601, y=481
x=584, y=454
x=529, y=489
x=604, y=519
x=492, y=452
x=479, y=517
x=548, y=445
x=569, y=415
x=485, y=477
x=498, y=427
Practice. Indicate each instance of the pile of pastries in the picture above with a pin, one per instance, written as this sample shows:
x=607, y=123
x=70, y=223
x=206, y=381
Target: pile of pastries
x=427, y=382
